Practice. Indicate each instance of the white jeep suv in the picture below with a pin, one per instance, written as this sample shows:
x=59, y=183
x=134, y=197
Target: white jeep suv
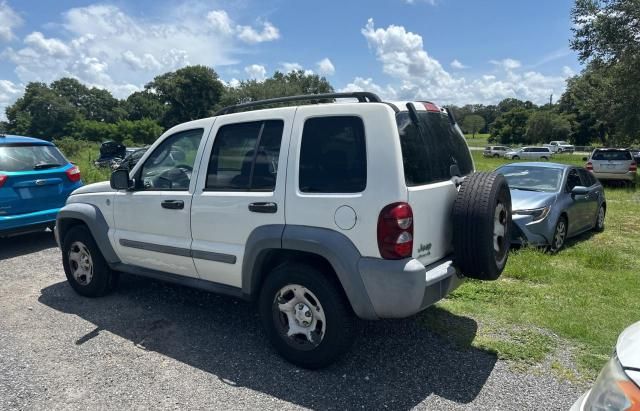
x=320, y=213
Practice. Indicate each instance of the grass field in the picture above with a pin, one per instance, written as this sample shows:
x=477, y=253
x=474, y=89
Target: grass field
x=479, y=141
x=565, y=310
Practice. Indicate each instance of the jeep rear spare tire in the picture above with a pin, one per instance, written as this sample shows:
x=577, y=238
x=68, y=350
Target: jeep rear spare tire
x=482, y=225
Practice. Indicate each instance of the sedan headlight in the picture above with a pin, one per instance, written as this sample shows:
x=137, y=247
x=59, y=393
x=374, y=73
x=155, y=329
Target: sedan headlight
x=536, y=214
x=613, y=390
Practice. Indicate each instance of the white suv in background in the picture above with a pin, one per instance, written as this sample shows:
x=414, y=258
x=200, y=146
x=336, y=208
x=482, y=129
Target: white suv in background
x=613, y=164
x=529, y=153
x=320, y=213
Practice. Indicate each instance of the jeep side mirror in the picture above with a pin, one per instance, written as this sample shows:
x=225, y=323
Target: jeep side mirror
x=579, y=191
x=120, y=180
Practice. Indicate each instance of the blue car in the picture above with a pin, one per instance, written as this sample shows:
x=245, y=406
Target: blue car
x=35, y=181
x=552, y=202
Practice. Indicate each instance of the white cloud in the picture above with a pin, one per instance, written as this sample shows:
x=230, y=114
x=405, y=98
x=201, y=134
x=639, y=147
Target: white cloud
x=9, y=92
x=417, y=75
x=256, y=72
x=289, y=67
x=249, y=35
x=220, y=21
x=9, y=20
x=326, y=67
x=456, y=64
x=103, y=46
x=568, y=71
x=507, y=64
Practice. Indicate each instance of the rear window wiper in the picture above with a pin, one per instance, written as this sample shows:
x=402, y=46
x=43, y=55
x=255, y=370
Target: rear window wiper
x=42, y=166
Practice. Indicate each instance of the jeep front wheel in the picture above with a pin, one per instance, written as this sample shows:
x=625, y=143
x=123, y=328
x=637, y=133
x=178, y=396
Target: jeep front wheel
x=85, y=267
x=306, y=315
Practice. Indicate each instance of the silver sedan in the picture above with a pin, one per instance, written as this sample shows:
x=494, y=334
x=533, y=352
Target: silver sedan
x=552, y=202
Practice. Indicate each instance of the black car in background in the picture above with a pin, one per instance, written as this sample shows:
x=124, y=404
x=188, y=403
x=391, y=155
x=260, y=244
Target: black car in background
x=130, y=160
x=110, y=150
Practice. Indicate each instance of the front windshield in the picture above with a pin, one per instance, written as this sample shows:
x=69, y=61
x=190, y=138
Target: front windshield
x=544, y=179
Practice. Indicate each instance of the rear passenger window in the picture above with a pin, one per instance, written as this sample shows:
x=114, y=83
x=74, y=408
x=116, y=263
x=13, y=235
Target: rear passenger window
x=333, y=156
x=428, y=158
x=245, y=157
x=587, y=179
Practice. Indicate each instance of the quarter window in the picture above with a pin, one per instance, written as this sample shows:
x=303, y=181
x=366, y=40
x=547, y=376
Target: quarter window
x=245, y=157
x=333, y=156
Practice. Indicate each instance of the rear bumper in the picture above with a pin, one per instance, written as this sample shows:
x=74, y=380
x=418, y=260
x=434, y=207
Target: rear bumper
x=10, y=224
x=400, y=288
x=628, y=176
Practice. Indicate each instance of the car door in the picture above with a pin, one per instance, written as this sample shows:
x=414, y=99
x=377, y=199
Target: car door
x=578, y=203
x=592, y=202
x=241, y=188
x=152, y=221
x=527, y=153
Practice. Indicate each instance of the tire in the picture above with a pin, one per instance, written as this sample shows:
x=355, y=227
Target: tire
x=482, y=226
x=515, y=158
x=496, y=156
x=87, y=272
x=559, y=235
x=599, y=225
x=545, y=158
x=324, y=298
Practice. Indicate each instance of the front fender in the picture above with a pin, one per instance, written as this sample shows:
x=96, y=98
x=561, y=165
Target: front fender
x=91, y=216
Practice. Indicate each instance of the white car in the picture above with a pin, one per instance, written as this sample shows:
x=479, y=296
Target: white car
x=618, y=385
x=320, y=213
x=529, y=153
x=560, y=147
x=613, y=164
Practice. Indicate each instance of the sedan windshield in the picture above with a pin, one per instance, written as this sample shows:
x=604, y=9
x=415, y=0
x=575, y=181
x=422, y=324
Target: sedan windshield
x=545, y=179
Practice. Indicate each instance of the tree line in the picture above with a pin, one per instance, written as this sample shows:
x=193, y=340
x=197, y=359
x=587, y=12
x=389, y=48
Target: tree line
x=600, y=105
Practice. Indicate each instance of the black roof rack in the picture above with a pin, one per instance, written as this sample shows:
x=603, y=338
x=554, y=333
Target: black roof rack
x=362, y=96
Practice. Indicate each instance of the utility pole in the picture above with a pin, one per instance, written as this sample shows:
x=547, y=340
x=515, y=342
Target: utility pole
x=551, y=100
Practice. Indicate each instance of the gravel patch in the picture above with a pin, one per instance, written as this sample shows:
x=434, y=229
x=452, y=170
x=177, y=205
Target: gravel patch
x=153, y=345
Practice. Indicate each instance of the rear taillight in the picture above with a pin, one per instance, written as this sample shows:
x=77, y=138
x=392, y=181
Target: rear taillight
x=395, y=231
x=633, y=167
x=431, y=107
x=73, y=174
x=3, y=179
x=589, y=166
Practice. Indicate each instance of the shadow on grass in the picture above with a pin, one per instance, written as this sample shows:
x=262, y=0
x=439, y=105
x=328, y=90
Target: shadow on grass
x=24, y=244
x=393, y=363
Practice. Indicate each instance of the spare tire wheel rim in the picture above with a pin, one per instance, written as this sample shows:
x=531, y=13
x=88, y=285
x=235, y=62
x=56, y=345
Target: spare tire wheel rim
x=299, y=317
x=81, y=263
x=500, y=231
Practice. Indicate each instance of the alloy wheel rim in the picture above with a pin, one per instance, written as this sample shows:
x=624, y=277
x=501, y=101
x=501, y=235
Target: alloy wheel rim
x=560, y=234
x=81, y=263
x=299, y=316
x=499, y=229
x=601, y=217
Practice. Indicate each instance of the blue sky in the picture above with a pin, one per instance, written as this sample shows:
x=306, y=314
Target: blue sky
x=449, y=51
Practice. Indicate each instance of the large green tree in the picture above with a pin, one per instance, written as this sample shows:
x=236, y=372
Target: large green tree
x=279, y=85
x=189, y=93
x=604, y=98
x=546, y=125
x=511, y=127
x=473, y=123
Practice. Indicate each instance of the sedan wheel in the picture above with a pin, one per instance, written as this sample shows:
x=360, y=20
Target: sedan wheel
x=559, y=235
x=600, y=219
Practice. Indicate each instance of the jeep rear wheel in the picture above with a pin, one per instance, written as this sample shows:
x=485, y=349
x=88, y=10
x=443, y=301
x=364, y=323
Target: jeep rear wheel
x=482, y=226
x=85, y=267
x=306, y=315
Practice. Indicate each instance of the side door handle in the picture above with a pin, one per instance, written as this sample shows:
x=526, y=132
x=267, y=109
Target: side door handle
x=267, y=208
x=173, y=204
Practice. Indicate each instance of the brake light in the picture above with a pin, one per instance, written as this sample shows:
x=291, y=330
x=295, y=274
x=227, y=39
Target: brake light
x=3, y=179
x=395, y=231
x=73, y=174
x=633, y=167
x=589, y=166
x=431, y=107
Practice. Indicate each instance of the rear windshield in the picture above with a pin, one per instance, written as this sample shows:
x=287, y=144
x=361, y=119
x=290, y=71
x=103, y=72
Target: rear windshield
x=428, y=159
x=611, y=155
x=25, y=157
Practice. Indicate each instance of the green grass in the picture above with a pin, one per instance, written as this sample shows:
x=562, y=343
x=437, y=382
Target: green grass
x=479, y=141
x=577, y=301
x=84, y=159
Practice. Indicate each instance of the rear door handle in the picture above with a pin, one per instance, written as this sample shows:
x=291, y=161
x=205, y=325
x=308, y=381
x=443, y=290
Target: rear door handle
x=173, y=204
x=268, y=208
